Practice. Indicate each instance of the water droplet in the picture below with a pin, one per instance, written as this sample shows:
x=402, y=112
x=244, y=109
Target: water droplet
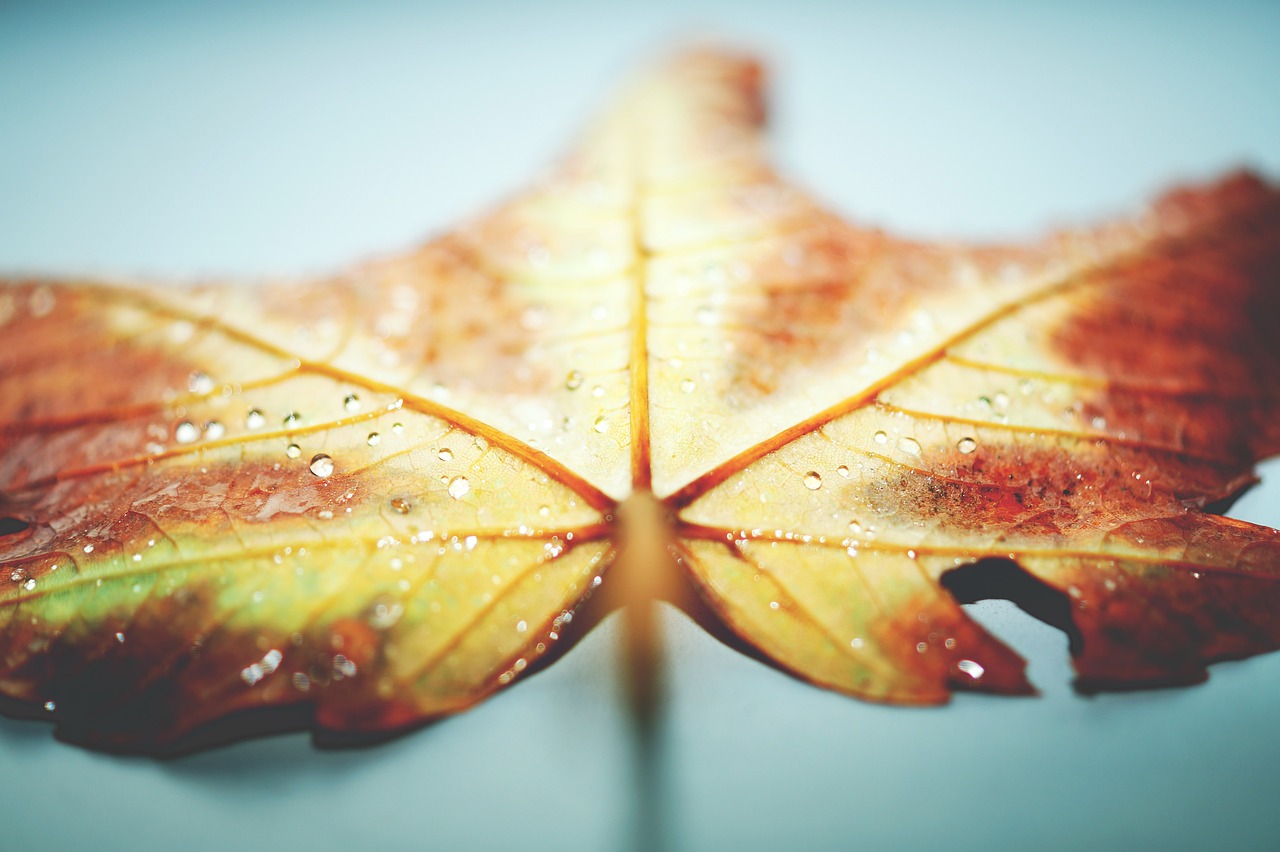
x=42, y=302
x=343, y=667
x=186, y=432
x=254, y=419
x=856, y=642
x=351, y=402
x=385, y=616
x=301, y=682
x=843, y=470
x=521, y=626
x=445, y=454
x=881, y=437
x=910, y=446
x=401, y=505
x=120, y=638
x=374, y=439
x=199, y=382
x=971, y=668
x=602, y=424
x=290, y=419
x=458, y=487
x=574, y=380
x=293, y=451
x=687, y=385
x=966, y=445
x=50, y=706
x=773, y=604
x=397, y=428
x=30, y=585
x=921, y=647
x=812, y=480
x=213, y=430
x=538, y=254
x=321, y=465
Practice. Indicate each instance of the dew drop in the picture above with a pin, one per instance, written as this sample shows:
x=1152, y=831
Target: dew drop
x=522, y=626
x=843, y=470
x=321, y=465
x=42, y=302
x=910, y=446
x=401, y=505
x=921, y=647
x=812, y=480
x=458, y=487
x=344, y=667
x=881, y=438
x=50, y=706
x=544, y=511
x=186, y=432
x=445, y=454
x=213, y=430
x=385, y=616
x=199, y=382
x=397, y=428
x=351, y=402
x=293, y=451
x=374, y=439
x=290, y=419
x=687, y=386
x=966, y=445
x=254, y=419
x=971, y=668
x=574, y=380
x=602, y=424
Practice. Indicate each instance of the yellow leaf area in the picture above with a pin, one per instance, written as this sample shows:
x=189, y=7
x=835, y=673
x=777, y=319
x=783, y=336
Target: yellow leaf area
x=381, y=496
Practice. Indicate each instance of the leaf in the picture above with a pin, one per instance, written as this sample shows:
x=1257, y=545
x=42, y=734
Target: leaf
x=383, y=495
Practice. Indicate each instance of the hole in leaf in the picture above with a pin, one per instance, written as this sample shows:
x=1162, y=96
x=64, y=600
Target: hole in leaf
x=1004, y=579
x=12, y=526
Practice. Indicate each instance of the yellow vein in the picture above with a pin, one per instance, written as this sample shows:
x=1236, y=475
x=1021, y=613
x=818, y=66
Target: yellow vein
x=502, y=440
x=1072, y=280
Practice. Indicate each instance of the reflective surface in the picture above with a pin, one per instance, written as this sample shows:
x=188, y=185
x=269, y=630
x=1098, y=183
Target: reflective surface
x=171, y=141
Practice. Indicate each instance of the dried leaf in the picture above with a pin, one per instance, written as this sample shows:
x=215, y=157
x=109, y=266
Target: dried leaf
x=382, y=495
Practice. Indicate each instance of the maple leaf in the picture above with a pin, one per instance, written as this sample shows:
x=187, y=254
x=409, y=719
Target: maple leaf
x=383, y=495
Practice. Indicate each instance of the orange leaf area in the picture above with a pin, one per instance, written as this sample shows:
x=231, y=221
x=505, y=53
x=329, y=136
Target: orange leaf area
x=377, y=498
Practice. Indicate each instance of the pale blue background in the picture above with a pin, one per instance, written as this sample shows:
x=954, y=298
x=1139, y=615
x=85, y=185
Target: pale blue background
x=180, y=138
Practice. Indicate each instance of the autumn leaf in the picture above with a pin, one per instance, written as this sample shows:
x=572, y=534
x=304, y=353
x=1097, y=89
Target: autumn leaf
x=382, y=496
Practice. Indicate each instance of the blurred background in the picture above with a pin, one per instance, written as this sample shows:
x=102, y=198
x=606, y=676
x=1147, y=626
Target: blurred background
x=176, y=139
